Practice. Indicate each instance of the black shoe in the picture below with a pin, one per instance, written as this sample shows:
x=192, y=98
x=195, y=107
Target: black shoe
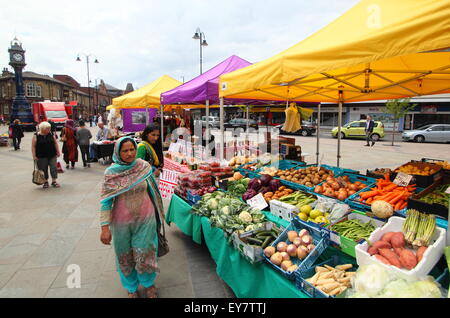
x=94, y=160
x=84, y=165
x=367, y=145
x=373, y=143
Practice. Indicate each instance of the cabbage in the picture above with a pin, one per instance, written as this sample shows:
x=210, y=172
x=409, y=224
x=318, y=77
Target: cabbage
x=371, y=279
x=395, y=289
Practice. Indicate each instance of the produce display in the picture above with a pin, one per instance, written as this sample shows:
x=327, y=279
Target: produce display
x=387, y=191
x=216, y=169
x=354, y=229
x=271, y=171
x=444, y=164
x=300, y=199
x=265, y=185
x=298, y=246
x=308, y=177
x=228, y=212
x=261, y=238
x=419, y=169
x=203, y=191
x=193, y=181
x=237, y=185
x=282, y=193
x=374, y=281
x=438, y=196
x=240, y=160
x=405, y=249
x=332, y=281
x=381, y=171
x=340, y=188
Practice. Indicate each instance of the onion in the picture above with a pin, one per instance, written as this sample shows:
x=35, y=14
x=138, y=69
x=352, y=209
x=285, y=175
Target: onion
x=335, y=186
x=281, y=247
x=311, y=247
x=285, y=256
x=269, y=251
x=353, y=187
x=292, y=250
x=292, y=268
x=297, y=241
x=306, y=240
x=276, y=259
x=341, y=196
x=303, y=232
x=301, y=253
x=292, y=235
x=318, y=189
x=286, y=264
x=351, y=192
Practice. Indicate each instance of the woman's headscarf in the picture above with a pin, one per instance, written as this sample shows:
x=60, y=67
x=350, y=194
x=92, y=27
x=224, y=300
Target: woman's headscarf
x=121, y=176
x=70, y=124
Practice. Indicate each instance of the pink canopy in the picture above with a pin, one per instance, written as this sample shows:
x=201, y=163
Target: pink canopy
x=203, y=87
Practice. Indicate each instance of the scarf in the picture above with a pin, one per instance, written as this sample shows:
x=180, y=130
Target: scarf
x=121, y=177
x=152, y=152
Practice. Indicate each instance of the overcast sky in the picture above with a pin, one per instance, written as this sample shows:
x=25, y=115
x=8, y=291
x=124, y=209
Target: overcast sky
x=139, y=41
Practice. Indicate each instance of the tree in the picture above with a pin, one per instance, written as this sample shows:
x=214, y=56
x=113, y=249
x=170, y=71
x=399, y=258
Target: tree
x=398, y=108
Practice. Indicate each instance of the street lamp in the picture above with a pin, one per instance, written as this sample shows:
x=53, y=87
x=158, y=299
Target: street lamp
x=97, y=106
x=89, y=82
x=199, y=35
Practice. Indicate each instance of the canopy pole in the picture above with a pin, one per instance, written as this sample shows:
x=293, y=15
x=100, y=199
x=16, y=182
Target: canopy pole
x=341, y=98
x=146, y=115
x=318, y=134
x=222, y=139
x=207, y=127
x=161, y=107
x=246, y=135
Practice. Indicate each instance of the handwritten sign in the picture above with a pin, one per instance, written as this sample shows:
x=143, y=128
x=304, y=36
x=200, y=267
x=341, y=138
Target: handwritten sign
x=403, y=179
x=258, y=202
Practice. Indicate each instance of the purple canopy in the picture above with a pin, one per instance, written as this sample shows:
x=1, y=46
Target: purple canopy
x=203, y=87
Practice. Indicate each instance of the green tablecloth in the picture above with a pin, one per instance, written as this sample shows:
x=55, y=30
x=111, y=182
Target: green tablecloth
x=246, y=280
x=179, y=212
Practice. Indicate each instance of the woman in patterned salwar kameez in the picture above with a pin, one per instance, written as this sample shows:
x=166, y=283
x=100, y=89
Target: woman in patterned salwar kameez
x=131, y=208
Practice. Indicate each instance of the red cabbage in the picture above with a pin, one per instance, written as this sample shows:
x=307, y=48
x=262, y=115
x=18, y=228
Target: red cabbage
x=249, y=194
x=274, y=184
x=265, y=189
x=265, y=179
x=254, y=184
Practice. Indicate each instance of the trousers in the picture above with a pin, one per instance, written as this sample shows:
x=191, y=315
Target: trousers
x=85, y=153
x=44, y=163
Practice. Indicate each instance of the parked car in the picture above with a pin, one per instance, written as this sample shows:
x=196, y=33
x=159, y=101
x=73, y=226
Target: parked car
x=307, y=129
x=241, y=123
x=356, y=129
x=432, y=133
x=214, y=122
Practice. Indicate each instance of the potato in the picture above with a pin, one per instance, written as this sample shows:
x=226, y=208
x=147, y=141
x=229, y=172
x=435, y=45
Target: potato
x=382, y=244
x=420, y=253
x=391, y=257
x=382, y=259
x=398, y=240
x=407, y=259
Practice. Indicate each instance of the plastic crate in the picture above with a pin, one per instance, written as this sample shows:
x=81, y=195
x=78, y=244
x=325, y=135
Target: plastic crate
x=310, y=290
x=193, y=199
x=429, y=260
x=283, y=165
x=369, y=182
x=320, y=240
x=355, y=204
x=422, y=181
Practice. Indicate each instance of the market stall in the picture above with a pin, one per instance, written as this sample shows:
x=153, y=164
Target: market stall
x=273, y=228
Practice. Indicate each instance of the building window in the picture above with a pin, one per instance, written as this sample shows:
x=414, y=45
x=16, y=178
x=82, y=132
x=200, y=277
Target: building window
x=33, y=90
x=6, y=109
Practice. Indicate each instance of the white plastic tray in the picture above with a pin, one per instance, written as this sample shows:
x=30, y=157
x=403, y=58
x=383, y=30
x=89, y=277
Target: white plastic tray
x=430, y=257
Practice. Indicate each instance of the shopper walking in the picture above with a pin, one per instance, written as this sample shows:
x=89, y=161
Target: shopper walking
x=369, y=130
x=45, y=149
x=83, y=135
x=69, y=148
x=16, y=133
x=150, y=148
x=131, y=215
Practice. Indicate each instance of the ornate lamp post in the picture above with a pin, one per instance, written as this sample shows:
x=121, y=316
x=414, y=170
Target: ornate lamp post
x=21, y=108
x=89, y=82
x=199, y=35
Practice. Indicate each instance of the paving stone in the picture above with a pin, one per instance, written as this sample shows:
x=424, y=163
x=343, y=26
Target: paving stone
x=17, y=253
x=86, y=291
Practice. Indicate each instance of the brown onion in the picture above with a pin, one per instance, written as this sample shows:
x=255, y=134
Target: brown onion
x=285, y=256
x=269, y=251
x=276, y=259
x=292, y=250
x=281, y=247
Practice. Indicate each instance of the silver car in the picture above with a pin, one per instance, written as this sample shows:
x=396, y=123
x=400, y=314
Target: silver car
x=431, y=133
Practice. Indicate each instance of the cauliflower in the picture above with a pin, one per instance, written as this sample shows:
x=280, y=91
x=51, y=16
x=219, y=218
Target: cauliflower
x=226, y=210
x=245, y=217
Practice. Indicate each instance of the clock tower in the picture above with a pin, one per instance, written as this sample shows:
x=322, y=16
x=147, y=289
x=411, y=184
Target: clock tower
x=21, y=108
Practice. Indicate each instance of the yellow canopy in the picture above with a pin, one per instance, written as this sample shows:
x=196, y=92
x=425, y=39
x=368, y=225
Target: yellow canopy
x=109, y=107
x=379, y=49
x=147, y=96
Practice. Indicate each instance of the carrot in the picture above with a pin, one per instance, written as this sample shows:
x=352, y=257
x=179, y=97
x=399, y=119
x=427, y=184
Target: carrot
x=398, y=205
x=369, y=200
x=390, y=187
x=368, y=194
x=403, y=205
x=396, y=198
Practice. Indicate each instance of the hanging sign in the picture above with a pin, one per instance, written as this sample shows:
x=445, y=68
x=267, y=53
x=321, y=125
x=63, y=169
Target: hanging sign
x=403, y=179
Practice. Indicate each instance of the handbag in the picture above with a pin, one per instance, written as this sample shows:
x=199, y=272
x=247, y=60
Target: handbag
x=163, y=244
x=63, y=137
x=38, y=176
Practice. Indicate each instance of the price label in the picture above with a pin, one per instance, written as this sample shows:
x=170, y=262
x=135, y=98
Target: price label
x=448, y=190
x=335, y=238
x=174, y=147
x=403, y=179
x=258, y=202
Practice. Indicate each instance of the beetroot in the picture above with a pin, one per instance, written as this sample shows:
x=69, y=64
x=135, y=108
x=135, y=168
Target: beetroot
x=254, y=184
x=274, y=185
x=265, y=179
x=249, y=194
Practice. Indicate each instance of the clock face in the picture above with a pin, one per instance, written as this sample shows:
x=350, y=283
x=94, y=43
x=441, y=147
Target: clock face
x=17, y=57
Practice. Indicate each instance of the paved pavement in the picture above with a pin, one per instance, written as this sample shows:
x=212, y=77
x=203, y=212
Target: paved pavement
x=44, y=231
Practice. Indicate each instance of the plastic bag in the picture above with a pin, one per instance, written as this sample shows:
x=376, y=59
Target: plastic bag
x=338, y=211
x=324, y=204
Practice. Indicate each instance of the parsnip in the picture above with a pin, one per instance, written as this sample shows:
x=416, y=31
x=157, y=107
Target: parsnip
x=331, y=286
x=329, y=267
x=325, y=281
x=321, y=269
x=335, y=291
x=350, y=274
x=344, y=280
x=344, y=267
x=326, y=275
x=314, y=279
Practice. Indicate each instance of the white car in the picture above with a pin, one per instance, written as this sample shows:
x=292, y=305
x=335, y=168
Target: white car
x=430, y=133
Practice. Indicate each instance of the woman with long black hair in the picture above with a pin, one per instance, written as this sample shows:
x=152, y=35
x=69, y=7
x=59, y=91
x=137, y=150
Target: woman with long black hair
x=150, y=148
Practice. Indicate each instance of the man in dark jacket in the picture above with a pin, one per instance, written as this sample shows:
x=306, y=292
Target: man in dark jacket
x=370, y=124
x=16, y=133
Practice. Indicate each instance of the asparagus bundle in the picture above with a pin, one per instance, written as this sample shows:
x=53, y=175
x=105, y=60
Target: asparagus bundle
x=418, y=228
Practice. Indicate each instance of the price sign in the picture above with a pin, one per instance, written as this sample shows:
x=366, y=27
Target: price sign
x=448, y=190
x=258, y=202
x=403, y=179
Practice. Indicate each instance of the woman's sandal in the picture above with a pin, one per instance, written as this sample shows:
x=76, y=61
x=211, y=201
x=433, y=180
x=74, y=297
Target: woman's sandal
x=133, y=295
x=55, y=184
x=45, y=186
x=151, y=292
